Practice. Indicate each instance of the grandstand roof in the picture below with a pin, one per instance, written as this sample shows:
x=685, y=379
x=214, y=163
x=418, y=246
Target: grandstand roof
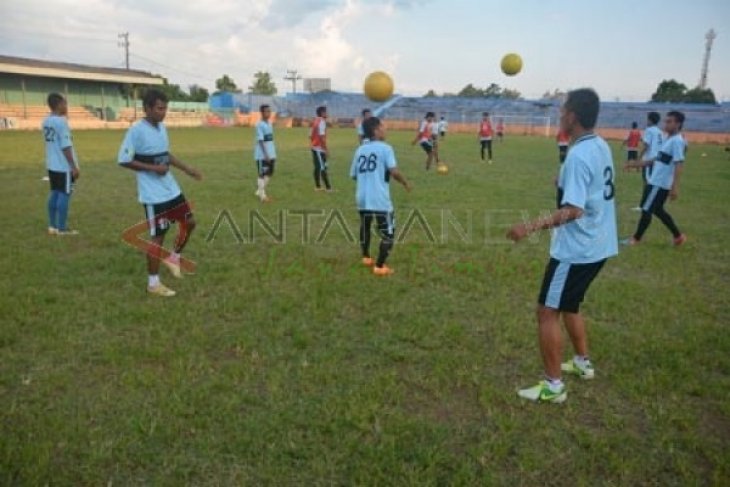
x=50, y=69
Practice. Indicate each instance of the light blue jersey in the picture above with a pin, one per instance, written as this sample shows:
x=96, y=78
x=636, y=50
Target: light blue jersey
x=371, y=169
x=671, y=153
x=586, y=182
x=653, y=139
x=146, y=143
x=265, y=134
x=58, y=137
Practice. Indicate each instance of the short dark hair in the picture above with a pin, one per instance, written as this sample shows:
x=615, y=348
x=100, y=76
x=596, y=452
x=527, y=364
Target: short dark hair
x=678, y=116
x=152, y=96
x=369, y=126
x=485, y=114
x=654, y=117
x=366, y=110
x=321, y=110
x=430, y=114
x=263, y=107
x=584, y=103
x=54, y=99
x=634, y=125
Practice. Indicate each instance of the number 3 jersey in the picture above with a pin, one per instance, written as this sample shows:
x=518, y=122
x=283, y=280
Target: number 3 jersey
x=371, y=169
x=586, y=182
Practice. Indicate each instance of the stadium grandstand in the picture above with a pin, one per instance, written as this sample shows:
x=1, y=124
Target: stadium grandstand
x=97, y=96
x=97, y=100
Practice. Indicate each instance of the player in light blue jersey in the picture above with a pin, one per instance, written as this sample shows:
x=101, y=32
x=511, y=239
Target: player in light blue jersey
x=584, y=237
x=146, y=150
x=651, y=143
x=667, y=168
x=366, y=113
x=264, y=152
x=61, y=163
x=372, y=167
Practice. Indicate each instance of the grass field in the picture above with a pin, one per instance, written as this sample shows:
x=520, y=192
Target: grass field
x=285, y=363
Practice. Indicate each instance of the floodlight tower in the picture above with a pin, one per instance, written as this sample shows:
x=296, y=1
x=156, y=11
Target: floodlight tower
x=293, y=76
x=710, y=38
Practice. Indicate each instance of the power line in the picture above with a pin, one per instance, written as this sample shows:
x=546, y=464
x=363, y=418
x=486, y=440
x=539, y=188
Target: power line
x=193, y=75
x=35, y=35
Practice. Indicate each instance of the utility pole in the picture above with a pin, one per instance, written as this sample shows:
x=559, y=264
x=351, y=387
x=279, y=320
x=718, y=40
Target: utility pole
x=710, y=38
x=125, y=44
x=293, y=76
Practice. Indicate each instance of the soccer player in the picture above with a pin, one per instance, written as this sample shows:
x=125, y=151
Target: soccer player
x=443, y=127
x=651, y=142
x=563, y=140
x=366, y=113
x=584, y=237
x=146, y=150
x=372, y=167
x=424, y=138
x=663, y=181
x=61, y=162
x=632, y=142
x=485, y=135
x=264, y=152
x=320, y=152
x=500, y=129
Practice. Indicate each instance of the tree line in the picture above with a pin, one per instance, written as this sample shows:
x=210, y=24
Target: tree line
x=668, y=91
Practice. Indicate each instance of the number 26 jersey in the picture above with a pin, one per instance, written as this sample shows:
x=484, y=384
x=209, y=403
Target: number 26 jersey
x=371, y=167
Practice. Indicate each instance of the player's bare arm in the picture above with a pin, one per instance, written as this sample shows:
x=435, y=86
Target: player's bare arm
x=674, y=192
x=69, y=155
x=398, y=176
x=160, y=169
x=190, y=171
x=562, y=216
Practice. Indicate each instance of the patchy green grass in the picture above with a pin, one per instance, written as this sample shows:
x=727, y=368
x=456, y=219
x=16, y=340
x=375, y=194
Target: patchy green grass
x=288, y=364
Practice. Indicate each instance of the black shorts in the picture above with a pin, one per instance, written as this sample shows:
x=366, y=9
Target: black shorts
x=427, y=146
x=160, y=215
x=562, y=152
x=442, y=134
x=61, y=181
x=654, y=198
x=564, y=285
x=486, y=143
x=264, y=168
x=632, y=154
x=319, y=158
x=384, y=219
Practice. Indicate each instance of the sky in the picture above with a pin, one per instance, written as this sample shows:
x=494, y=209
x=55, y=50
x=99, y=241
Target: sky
x=622, y=48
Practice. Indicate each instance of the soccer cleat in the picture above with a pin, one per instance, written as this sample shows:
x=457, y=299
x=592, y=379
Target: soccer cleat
x=629, y=241
x=265, y=199
x=318, y=189
x=584, y=372
x=161, y=290
x=383, y=271
x=542, y=393
x=680, y=240
x=368, y=261
x=52, y=231
x=637, y=208
x=490, y=161
x=173, y=266
x=67, y=232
